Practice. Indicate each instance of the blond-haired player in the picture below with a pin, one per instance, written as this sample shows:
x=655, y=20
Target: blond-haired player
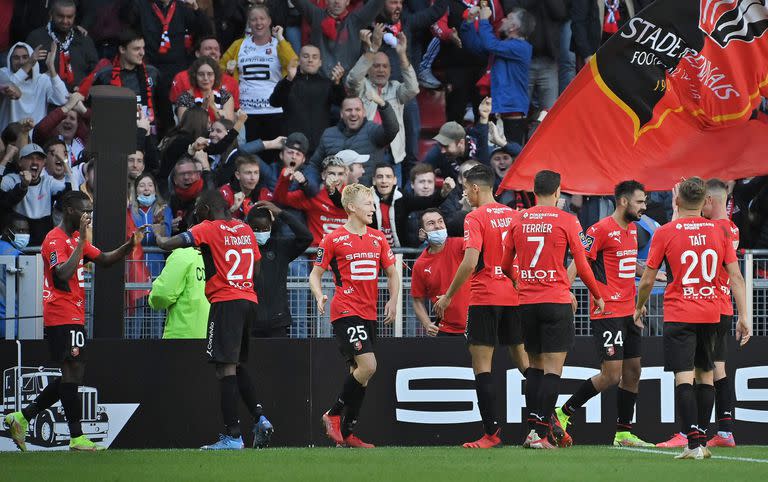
x=355, y=253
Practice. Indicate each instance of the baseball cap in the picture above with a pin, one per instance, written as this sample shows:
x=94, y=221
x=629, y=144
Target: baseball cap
x=450, y=132
x=351, y=157
x=30, y=149
x=513, y=149
x=297, y=141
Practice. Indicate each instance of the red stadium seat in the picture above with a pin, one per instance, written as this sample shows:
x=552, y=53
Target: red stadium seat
x=432, y=108
x=425, y=144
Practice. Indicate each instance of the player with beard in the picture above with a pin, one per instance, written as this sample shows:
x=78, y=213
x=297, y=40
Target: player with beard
x=611, y=247
x=355, y=253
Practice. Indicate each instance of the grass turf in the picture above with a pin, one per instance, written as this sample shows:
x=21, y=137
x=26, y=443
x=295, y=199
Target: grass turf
x=386, y=464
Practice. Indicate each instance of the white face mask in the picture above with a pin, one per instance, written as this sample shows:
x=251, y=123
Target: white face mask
x=20, y=241
x=437, y=237
x=262, y=237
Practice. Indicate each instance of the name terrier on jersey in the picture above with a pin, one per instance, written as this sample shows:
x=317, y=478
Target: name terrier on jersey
x=537, y=228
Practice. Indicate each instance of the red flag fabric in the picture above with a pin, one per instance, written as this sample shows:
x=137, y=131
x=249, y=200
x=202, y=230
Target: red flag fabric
x=671, y=95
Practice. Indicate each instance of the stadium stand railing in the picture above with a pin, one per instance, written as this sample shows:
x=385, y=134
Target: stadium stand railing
x=142, y=322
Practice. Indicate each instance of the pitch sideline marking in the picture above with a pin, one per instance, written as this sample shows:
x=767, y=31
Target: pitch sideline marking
x=720, y=457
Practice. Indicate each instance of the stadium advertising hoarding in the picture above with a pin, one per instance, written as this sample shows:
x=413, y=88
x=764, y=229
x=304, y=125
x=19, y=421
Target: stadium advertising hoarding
x=162, y=394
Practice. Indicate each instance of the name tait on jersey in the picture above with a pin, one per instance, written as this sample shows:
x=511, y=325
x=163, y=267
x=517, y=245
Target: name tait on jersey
x=698, y=240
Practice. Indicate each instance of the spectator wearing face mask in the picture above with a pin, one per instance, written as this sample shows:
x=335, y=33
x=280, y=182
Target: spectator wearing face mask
x=273, y=317
x=148, y=207
x=14, y=238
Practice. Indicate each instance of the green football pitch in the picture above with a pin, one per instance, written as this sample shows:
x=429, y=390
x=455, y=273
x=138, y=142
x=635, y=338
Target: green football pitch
x=385, y=464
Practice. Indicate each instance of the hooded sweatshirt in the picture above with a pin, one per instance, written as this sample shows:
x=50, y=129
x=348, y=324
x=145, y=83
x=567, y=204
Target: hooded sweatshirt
x=37, y=91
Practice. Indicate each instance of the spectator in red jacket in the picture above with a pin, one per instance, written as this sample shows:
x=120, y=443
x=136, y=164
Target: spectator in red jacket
x=247, y=189
x=207, y=47
x=323, y=211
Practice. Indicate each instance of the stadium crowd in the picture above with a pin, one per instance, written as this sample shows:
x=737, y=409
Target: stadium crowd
x=313, y=121
x=286, y=101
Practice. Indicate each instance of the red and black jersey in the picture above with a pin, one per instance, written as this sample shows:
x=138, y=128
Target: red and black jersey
x=323, y=215
x=431, y=277
x=612, y=251
x=484, y=230
x=694, y=250
x=64, y=301
x=355, y=261
x=723, y=279
x=540, y=238
x=230, y=251
x=259, y=194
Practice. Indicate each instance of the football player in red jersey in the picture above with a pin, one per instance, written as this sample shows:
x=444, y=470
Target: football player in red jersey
x=231, y=257
x=539, y=238
x=715, y=208
x=611, y=246
x=65, y=249
x=693, y=248
x=493, y=317
x=432, y=275
x=355, y=253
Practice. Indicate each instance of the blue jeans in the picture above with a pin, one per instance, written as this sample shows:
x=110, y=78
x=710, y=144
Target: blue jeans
x=566, y=65
x=542, y=82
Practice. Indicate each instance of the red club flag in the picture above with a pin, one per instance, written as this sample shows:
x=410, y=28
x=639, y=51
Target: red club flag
x=671, y=95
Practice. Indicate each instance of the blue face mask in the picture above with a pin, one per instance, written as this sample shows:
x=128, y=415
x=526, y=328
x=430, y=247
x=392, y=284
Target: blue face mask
x=262, y=237
x=437, y=237
x=20, y=241
x=146, y=200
